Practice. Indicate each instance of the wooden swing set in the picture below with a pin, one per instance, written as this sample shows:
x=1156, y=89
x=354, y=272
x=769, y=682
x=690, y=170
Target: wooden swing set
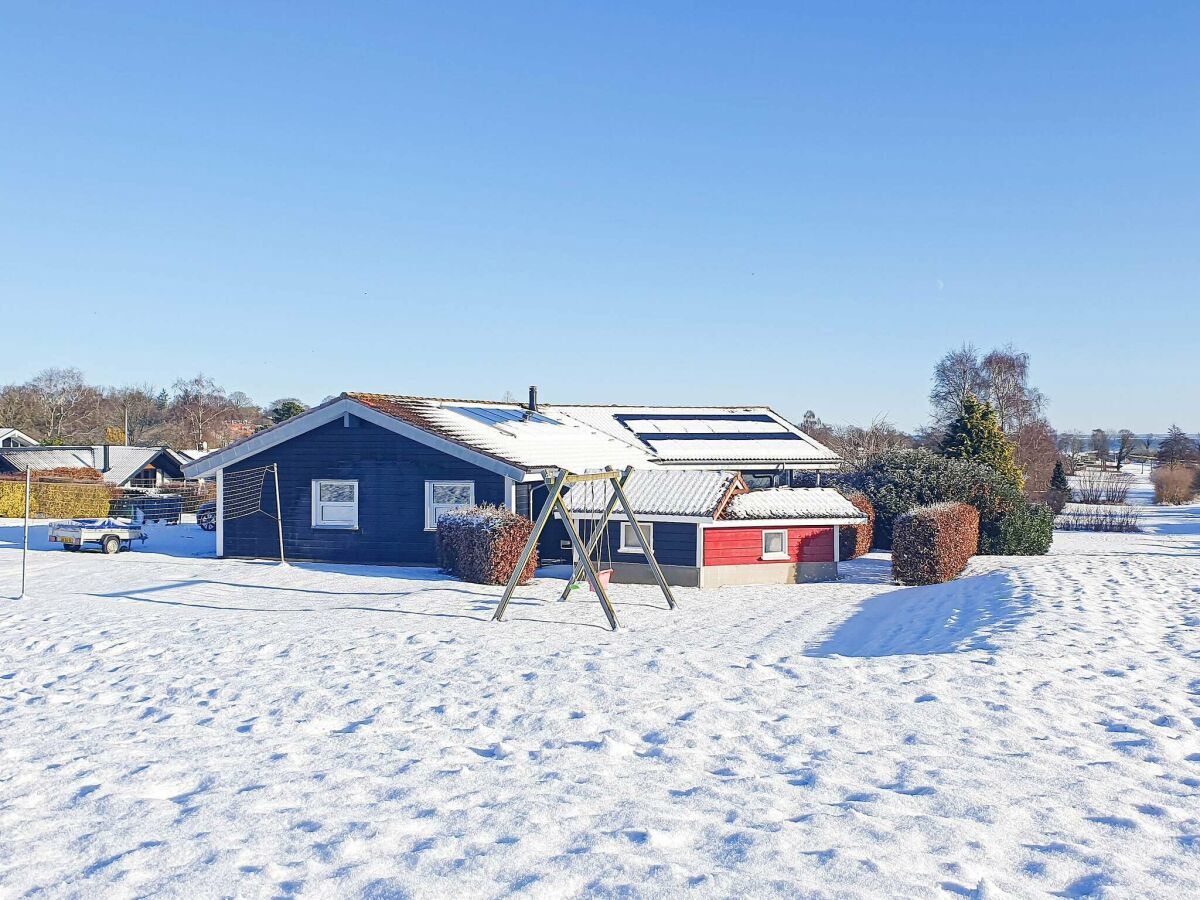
x=584, y=567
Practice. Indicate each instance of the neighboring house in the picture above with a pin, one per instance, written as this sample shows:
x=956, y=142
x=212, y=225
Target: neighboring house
x=364, y=477
x=10, y=437
x=136, y=467
x=708, y=529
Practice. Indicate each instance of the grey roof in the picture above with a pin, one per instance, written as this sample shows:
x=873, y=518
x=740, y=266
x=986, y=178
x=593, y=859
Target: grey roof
x=793, y=503
x=662, y=492
x=123, y=462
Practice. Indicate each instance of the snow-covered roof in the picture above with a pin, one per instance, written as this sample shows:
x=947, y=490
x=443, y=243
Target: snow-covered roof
x=510, y=433
x=663, y=492
x=710, y=435
x=123, y=462
x=793, y=503
x=509, y=438
x=17, y=438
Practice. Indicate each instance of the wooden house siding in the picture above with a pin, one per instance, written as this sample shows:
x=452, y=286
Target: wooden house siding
x=674, y=543
x=391, y=472
x=743, y=546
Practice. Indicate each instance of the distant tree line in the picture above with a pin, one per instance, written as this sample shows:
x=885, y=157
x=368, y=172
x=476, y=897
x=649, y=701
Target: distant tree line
x=59, y=406
x=975, y=394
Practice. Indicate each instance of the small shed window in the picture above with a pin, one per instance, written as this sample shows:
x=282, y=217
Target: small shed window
x=334, y=504
x=774, y=544
x=442, y=497
x=629, y=538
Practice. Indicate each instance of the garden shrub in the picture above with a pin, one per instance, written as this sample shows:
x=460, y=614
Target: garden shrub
x=1026, y=530
x=932, y=544
x=1057, y=499
x=482, y=544
x=855, y=540
x=898, y=482
x=1174, y=485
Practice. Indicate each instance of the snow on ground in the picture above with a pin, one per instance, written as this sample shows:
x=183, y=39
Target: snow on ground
x=175, y=724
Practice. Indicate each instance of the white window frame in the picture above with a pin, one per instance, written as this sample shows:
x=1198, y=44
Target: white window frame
x=431, y=511
x=317, y=504
x=647, y=530
x=783, y=555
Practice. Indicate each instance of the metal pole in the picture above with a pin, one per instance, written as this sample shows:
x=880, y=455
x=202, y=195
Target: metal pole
x=25, y=539
x=552, y=494
x=278, y=513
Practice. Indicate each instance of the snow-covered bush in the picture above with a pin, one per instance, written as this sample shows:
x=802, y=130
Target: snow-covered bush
x=855, y=540
x=483, y=544
x=932, y=544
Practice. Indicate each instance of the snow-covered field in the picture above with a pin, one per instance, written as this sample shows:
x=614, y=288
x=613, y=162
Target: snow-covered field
x=173, y=724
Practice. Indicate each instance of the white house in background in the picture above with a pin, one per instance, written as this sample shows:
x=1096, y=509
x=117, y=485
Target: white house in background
x=10, y=437
x=120, y=466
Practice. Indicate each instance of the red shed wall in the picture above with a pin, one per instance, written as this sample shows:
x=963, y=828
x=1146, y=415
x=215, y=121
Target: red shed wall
x=743, y=546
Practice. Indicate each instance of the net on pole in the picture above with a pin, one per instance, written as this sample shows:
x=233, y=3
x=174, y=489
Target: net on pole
x=243, y=493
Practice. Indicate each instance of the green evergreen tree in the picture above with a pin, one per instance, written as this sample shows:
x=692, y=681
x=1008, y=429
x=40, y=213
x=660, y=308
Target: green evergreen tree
x=976, y=435
x=1058, y=481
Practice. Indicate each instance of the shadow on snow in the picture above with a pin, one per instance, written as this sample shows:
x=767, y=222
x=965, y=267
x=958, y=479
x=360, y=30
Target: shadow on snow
x=965, y=614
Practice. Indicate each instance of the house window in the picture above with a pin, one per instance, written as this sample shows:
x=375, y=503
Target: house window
x=629, y=538
x=146, y=478
x=442, y=497
x=335, y=504
x=774, y=544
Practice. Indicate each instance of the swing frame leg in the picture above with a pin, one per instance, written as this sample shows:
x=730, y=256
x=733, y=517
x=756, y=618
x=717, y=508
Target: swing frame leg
x=553, y=498
x=647, y=550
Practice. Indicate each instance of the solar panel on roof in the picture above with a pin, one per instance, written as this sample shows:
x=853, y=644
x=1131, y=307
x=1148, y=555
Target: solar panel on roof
x=498, y=415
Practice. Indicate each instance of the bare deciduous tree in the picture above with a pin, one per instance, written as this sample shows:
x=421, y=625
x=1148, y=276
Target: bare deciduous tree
x=61, y=404
x=957, y=374
x=200, y=405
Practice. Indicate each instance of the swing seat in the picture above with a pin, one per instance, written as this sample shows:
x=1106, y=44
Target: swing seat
x=604, y=576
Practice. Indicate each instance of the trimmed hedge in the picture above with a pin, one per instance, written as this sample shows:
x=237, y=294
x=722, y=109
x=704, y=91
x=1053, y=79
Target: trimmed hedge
x=855, y=540
x=57, y=499
x=932, y=544
x=482, y=544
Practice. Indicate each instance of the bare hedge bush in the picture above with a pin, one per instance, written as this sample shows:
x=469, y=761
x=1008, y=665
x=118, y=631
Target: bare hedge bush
x=1101, y=517
x=1174, y=485
x=482, y=544
x=932, y=544
x=1093, y=486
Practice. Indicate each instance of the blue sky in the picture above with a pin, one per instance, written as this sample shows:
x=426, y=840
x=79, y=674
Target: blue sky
x=795, y=204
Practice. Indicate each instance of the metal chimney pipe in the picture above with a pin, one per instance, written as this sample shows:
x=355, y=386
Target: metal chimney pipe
x=533, y=398
x=107, y=459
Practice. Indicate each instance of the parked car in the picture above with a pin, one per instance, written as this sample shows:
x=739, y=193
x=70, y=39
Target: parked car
x=165, y=508
x=206, y=516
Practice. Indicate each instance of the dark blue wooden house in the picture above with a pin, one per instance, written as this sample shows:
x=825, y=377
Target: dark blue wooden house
x=363, y=478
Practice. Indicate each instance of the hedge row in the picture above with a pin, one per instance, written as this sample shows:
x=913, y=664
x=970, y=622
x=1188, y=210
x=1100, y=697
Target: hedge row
x=855, y=540
x=932, y=544
x=482, y=544
x=55, y=500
